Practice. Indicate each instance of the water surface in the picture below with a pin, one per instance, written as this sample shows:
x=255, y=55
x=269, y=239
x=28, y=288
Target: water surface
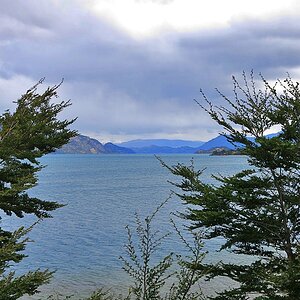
x=84, y=239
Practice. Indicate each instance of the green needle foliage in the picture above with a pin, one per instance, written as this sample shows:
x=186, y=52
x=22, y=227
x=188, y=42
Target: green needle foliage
x=26, y=134
x=256, y=212
x=191, y=269
x=150, y=279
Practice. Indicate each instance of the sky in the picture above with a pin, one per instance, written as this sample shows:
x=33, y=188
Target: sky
x=132, y=68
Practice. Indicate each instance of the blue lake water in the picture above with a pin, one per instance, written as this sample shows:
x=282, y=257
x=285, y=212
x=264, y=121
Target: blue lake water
x=84, y=239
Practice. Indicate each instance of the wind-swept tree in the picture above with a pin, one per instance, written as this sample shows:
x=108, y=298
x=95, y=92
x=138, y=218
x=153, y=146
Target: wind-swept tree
x=256, y=211
x=26, y=134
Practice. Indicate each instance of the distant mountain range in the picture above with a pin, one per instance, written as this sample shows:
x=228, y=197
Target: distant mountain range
x=217, y=142
x=160, y=143
x=82, y=144
x=163, y=146
x=85, y=145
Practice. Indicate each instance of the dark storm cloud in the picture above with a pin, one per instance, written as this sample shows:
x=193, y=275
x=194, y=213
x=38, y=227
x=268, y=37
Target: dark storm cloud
x=122, y=86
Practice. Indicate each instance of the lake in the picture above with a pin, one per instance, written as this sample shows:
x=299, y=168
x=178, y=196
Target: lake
x=84, y=239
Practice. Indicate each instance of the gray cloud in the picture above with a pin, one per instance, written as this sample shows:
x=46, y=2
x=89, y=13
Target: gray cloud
x=156, y=1
x=123, y=87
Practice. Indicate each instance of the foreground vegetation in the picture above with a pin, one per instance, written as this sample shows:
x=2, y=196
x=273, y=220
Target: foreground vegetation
x=27, y=134
x=256, y=212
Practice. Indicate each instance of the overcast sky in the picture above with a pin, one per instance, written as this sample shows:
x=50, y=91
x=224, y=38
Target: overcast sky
x=133, y=67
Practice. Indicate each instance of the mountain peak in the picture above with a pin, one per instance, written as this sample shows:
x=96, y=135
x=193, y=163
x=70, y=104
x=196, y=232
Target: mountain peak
x=82, y=144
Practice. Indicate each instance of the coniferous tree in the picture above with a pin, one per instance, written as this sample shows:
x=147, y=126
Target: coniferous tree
x=256, y=211
x=26, y=134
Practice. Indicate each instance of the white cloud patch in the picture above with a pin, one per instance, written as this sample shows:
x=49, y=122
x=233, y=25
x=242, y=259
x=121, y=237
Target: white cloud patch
x=146, y=18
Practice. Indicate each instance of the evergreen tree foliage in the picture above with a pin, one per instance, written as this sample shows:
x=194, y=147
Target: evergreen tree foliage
x=256, y=212
x=150, y=278
x=26, y=134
